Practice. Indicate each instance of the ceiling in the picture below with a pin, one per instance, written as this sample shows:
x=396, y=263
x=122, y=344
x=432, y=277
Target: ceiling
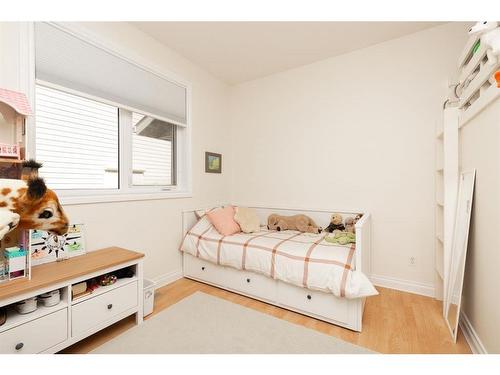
x=236, y=52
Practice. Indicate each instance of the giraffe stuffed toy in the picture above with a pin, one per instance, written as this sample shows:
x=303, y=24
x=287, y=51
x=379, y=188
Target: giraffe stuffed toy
x=29, y=204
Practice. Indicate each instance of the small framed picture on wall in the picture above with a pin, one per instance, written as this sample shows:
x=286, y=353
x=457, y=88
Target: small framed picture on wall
x=213, y=162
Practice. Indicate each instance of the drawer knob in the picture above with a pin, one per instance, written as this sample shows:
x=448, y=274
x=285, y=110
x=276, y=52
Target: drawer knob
x=110, y=306
x=309, y=296
x=203, y=268
x=19, y=346
x=248, y=280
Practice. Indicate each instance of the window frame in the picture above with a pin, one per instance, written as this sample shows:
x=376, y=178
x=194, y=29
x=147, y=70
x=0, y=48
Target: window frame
x=126, y=191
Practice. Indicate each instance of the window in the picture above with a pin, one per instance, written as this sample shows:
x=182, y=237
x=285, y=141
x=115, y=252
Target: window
x=153, y=151
x=106, y=126
x=76, y=140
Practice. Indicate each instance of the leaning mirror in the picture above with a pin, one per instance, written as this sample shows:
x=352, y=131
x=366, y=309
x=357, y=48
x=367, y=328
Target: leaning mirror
x=454, y=287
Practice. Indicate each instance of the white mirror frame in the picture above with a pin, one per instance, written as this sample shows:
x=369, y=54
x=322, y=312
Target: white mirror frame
x=460, y=269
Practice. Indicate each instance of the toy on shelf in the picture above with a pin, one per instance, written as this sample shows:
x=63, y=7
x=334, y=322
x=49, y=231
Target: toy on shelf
x=46, y=247
x=16, y=261
x=106, y=280
x=489, y=33
x=30, y=205
x=10, y=151
x=14, y=108
x=497, y=78
x=4, y=270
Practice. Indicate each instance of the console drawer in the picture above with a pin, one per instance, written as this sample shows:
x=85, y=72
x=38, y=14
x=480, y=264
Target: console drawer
x=37, y=335
x=94, y=311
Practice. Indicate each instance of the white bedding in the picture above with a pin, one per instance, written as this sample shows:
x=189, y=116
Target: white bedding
x=301, y=259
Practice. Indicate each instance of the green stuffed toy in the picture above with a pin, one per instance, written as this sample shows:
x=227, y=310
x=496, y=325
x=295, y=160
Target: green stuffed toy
x=342, y=238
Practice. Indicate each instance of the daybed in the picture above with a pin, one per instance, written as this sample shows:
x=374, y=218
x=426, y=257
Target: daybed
x=298, y=271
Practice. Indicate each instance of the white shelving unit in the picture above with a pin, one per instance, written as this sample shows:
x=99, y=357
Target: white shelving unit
x=446, y=190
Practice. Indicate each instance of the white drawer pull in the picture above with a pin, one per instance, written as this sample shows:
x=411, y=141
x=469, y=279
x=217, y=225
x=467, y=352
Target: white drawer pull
x=19, y=346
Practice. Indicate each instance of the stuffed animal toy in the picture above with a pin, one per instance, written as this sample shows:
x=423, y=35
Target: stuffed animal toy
x=490, y=37
x=335, y=224
x=302, y=223
x=349, y=225
x=28, y=204
x=341, y=238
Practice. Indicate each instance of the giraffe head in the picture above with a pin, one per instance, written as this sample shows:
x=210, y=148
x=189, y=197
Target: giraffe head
x=39, y=208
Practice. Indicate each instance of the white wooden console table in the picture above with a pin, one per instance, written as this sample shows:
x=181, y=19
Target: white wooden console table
x=51, y=329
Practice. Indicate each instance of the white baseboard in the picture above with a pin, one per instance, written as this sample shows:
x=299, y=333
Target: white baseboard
x=471, y=336
x=403, y=285
x=167, y=278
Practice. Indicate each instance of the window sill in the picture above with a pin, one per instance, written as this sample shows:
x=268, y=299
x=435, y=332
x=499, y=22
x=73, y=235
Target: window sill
x=109, y=198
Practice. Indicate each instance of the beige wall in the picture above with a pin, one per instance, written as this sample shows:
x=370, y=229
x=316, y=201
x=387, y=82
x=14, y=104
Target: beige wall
x=480, y=149
x=153, y=226
x=353, y=132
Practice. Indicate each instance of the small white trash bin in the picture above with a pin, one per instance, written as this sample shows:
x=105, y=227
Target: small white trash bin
x=149, y=296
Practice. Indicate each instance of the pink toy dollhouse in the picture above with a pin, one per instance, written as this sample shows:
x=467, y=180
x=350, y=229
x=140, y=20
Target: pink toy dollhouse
x=14, y=108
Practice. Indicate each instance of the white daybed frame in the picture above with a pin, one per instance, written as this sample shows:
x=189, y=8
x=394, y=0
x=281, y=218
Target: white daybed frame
x=344, y=312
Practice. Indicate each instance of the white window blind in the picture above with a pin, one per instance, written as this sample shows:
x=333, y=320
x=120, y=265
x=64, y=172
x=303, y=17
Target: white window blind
x=66, y=60
x=76, y=140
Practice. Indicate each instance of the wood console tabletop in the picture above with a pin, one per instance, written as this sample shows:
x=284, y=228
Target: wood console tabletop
x=56, y=272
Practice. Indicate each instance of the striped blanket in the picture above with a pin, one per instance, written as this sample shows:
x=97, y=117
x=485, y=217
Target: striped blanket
x=302, y=259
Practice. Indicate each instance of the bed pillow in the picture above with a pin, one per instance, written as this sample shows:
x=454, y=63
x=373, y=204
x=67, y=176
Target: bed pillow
x=200, y=213
x=223, y=220
x=247, y=219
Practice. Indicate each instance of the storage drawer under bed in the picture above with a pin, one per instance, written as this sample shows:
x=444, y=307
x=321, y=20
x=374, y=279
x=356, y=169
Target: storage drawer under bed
x=315, y=302
x=246, y=282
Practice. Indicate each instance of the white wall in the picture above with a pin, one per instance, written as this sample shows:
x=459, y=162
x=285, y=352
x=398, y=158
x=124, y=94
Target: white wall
x=354, y=131
x=153, y=226
x=480, y=149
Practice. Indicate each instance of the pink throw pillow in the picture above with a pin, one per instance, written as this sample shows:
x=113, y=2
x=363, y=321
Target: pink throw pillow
x=223, y=220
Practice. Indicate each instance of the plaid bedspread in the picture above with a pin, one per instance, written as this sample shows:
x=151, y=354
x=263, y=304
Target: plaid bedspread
x=301, y=259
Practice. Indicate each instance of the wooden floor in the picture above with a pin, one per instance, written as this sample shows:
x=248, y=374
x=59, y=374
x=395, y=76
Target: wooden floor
x=393, y=322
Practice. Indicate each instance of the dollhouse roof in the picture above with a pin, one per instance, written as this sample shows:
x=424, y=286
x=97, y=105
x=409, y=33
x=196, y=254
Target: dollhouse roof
x=16, y=100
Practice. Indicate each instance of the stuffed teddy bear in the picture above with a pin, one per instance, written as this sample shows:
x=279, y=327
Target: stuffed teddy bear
x=335, y=223
x=302, y=223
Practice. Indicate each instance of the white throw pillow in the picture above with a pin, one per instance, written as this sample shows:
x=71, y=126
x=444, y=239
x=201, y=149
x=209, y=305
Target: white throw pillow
x=247, y=219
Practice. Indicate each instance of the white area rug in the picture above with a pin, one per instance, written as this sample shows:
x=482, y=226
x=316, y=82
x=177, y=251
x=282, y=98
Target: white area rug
x=202, y=323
